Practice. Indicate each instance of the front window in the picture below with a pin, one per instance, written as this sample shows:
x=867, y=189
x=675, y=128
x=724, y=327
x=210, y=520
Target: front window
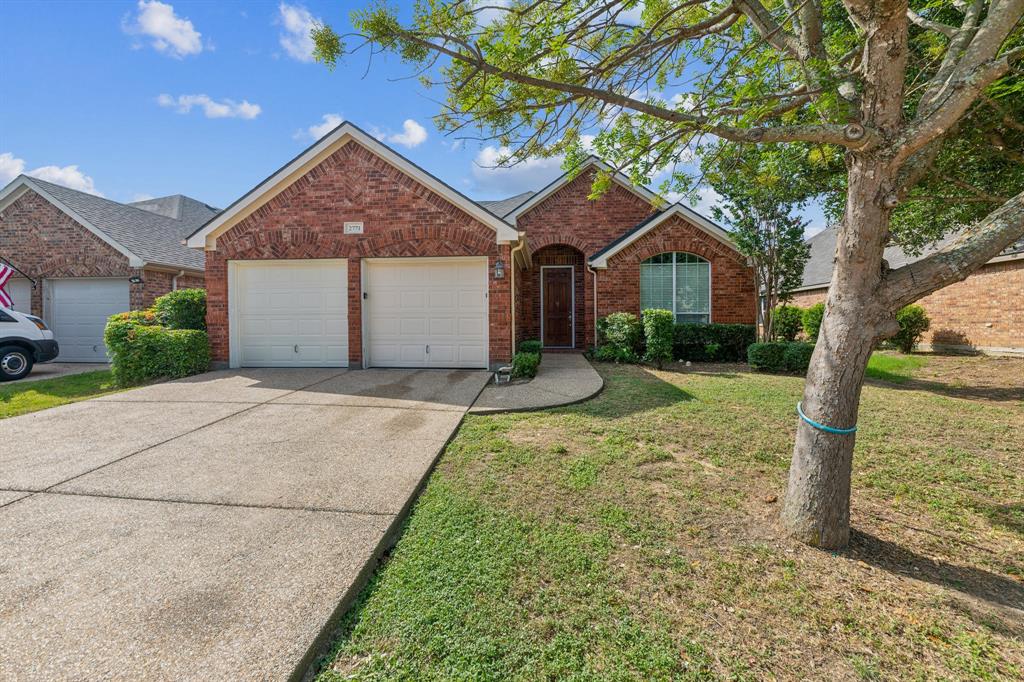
x=680, y=282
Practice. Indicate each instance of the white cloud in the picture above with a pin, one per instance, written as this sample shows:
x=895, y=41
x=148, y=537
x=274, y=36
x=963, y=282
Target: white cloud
x=494, y=10
x=68, y=176
x=297, y=23
x=531, y=174
x=226, y=108
x=708, y=198
x=142, y=196
x=634, y=15
x=170, y=34
x=412, y=135
x=314, y=132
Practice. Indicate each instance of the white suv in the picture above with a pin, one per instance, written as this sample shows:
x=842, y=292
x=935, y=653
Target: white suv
x=24, y=341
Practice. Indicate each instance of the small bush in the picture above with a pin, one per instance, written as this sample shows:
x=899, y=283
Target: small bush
x=524, y=365
x=797, y=357
x=659, y=333
x=712, y=342
x=530, y=346
x=787, y=321
x=768, y=357
x=142, y=351
x=914, y=322
x=620, y=338
x=182, y=309
x=812, y=321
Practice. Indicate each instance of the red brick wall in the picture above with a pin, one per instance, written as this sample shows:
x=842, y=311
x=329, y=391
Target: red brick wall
x=45, y=243
x=400, y=218
x=530, y=301
x=984, y=311
x=732, y=282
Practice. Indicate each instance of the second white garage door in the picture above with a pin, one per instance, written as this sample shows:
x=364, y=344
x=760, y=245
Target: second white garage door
x=426, y=312
x=289, y=313
x=78, y=309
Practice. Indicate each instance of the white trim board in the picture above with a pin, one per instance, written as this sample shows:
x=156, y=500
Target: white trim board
x=23, y=183
x=572, y=304
x=687, y=214
x=206, y=236
x=564, y=179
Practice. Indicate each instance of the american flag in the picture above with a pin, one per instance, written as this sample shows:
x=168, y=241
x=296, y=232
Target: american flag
x=5, y=274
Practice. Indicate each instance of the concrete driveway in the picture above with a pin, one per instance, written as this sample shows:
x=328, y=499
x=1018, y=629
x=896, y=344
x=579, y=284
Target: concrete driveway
x=208, y=528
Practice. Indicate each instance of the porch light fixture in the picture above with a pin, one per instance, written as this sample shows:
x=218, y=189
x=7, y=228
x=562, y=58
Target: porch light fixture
x=135, y=279
x=499, y=269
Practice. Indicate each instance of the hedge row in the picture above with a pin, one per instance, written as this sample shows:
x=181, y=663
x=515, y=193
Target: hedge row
x=623, y=338
x=155, y=344
x=780, y=356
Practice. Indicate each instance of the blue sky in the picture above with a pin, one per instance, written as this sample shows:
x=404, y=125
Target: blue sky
x=138, y=99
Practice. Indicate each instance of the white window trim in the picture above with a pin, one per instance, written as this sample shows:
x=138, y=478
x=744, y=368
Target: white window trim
x=572, y=305
x=675, y=314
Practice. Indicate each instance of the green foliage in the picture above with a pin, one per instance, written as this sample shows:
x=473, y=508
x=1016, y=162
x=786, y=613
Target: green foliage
x=780, y=356
x=812, y=321
x=787, y=321
x=525, y=364
x=712, y=342
x=620, y=337
x=530, y=346
x=769, y=356
x=659, y=332
x=797, y=357
x=914, y=322
x=182, y=309
x=142, y=351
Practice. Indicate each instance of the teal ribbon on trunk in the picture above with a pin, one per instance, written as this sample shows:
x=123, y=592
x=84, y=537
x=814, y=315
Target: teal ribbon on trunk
x=822, y=427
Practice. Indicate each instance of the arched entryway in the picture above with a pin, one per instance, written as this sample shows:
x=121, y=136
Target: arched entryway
x=553, y=294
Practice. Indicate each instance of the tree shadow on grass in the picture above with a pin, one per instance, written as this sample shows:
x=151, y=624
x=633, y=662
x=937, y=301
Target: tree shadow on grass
x=977, y=582
x=629, y=390
x=1009, y=517
x=993, y=393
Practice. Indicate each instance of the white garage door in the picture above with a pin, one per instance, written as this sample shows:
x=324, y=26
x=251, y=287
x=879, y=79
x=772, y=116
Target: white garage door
x=290, y=313
x=77, y=310
x=427, y=312
x=20, y=291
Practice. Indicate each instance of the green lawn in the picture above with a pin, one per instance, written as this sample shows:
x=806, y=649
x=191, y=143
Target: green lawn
x=30, y=396
x=635, y=537
x=895, y=367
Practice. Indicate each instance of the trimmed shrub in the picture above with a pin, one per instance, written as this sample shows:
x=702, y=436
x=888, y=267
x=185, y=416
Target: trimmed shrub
x=768, y=357
x=182, y=309
x=812, y=321
x=530, y=346
x=712, y=342
x=914, y=322
x=620, y=338
x=142, y=351
x=787, y=320
x=524, y=365
x=659, y=333
x=797, y=357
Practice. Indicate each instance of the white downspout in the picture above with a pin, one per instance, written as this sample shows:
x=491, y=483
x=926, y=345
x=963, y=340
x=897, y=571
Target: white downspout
x=512, y=297
x=594, y=273
x=174, y=280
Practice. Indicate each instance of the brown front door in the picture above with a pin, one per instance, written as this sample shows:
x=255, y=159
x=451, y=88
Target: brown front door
x=556, y=307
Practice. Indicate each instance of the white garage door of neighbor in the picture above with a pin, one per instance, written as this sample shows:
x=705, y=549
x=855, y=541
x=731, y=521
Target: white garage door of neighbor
x=77, y=310
x=20, y=291
x=290, y=313
x=427, y=312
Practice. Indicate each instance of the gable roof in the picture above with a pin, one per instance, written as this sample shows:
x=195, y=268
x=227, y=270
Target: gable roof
x=600, y=259
x=206, y=235
x=178, y=207
x=559, y=182
x=502, y=207
x=818, y=270
x=144, y=237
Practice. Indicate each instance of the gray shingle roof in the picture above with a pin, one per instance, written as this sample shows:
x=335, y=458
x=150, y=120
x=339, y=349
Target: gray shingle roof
x=502, y=207
x=818, y=271
x=151, y=235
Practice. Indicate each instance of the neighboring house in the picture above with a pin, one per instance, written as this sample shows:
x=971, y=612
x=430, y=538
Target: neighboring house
x=351, y=255
x=983, y=312
x=91, y=257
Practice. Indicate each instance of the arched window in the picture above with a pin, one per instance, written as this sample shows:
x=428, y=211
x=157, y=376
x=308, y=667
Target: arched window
x=680, y=282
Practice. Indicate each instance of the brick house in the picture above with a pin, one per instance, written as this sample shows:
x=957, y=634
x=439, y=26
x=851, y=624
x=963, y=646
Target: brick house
x=984, y=312
x=351, y=255
x=85, y=258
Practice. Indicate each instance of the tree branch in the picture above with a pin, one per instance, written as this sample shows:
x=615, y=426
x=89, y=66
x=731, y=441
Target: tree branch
x=928, y=24
x=974, y=247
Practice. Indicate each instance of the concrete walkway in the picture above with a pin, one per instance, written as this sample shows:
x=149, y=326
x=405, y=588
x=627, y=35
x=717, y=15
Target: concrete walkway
x=562, y=379
x=209, y=528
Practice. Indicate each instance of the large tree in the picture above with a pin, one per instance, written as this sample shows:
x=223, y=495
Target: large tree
x=895, y=93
